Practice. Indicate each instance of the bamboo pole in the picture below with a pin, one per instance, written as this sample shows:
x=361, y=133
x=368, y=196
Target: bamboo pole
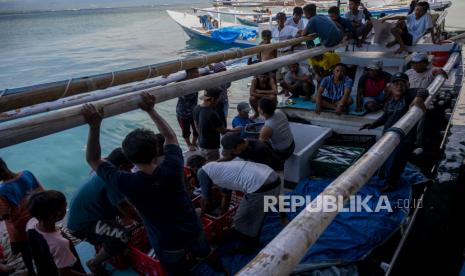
x=286, y=250
x=46, y=124
x=96, y=95
x=26, y=96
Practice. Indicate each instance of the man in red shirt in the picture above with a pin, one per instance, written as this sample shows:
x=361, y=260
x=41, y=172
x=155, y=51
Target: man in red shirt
x=371, y=86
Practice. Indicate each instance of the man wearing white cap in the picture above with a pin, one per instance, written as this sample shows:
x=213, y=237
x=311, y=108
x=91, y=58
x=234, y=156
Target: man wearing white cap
x=370, y=91
x=422, y=75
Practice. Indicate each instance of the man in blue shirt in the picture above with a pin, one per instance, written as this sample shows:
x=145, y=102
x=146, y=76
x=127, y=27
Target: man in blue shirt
x=342, y=23
x=242, y=118
x=94, y=208
x=322, y=26
x=157, y=190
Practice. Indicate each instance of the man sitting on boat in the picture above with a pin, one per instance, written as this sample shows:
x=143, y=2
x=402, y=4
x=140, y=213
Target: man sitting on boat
x=276, y=130
x=402, y=97
x=361, y=20
x=322, y=27
x=342, y=23
x=411, y=28
x=421, y=75
x=250, y=150
x=371, y=85
x=263, y=87
x=296, y=19
x=334, y=91
x=323, y=64
x=95, y=206
x=175, y=231
x=298, y=82
x=254, y=180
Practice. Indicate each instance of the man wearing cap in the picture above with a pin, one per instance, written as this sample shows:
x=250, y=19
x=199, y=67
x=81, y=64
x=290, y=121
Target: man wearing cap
x=209, y=124
x=422, y=75
x=371, y=85
x=254, y=180
x=242, y=119
x=250, y=150
x=298, y=82
x=402, y=97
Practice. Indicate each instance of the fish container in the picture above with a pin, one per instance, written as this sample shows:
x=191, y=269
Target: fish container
x=144, y=264
x=351, y=140
x=252, y=130
x=331, y=161
x=307, y=139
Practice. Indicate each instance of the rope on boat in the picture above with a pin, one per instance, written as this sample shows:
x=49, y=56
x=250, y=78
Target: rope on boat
x=180, y=65
x=150, y=72
x=112, y=79
x=3, y=92
x=67, y=88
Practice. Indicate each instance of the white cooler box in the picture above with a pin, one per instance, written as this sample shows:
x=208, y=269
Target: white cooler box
x=307, y=139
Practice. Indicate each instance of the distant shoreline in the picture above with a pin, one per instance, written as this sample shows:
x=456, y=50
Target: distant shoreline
x=143, y=7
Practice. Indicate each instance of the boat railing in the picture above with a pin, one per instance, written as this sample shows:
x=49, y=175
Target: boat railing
x=32, y=127
x=285, y=251
x=11, y=99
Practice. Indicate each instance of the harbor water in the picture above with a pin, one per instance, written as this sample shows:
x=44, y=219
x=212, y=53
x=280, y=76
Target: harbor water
x=51, y=46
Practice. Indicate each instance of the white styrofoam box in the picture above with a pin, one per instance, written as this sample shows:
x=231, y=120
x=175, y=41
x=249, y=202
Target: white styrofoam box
x=307, y=139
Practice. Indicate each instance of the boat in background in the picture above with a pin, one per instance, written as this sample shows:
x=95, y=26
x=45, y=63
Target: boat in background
x=232, y=34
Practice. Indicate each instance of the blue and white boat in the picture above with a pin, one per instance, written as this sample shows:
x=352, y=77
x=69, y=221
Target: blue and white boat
x=234, y=35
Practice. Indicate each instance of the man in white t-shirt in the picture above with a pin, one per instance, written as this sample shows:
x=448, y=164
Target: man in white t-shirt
x=422, y=75
x=255, y=180
x=283, y=32
x=411, y=28
x=296, y=20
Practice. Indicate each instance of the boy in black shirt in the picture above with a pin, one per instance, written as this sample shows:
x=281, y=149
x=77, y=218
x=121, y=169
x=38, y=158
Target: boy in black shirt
x=209, y=125
x=396, y=106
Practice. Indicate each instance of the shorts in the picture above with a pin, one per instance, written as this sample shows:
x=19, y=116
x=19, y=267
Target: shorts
x=407, y=38
x=377, y=99
x=113, y=236
x=175, y=261
x=210, y=154
x=250, y=214
x=329, y=100
x=361, y=29
x=186, y=125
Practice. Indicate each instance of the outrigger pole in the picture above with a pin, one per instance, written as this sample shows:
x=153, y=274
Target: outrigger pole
x=286, y=250
x=30, y=128
x=26, y=96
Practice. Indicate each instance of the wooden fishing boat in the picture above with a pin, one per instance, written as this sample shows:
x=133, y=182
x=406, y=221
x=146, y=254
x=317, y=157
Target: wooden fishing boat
x=193, y=28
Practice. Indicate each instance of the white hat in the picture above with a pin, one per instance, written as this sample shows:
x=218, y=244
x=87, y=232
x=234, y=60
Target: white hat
x=376, y=65
x=419, y=57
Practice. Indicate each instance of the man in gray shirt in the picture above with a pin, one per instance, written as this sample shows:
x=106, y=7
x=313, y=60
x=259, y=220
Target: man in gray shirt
x=298, y=82
x=276, y=129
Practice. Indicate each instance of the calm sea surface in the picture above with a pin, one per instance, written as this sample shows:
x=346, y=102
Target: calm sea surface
x=43, y=47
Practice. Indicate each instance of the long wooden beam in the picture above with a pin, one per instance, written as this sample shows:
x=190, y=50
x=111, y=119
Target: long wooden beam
x=286, y=250
x=26, y=96
x=14, y=132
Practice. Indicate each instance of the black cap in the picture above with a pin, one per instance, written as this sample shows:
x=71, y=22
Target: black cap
x=212, y=93
x=231, y=140
x=399, y=76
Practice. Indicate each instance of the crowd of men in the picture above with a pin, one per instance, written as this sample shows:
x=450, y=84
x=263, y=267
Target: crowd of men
x=144, y=179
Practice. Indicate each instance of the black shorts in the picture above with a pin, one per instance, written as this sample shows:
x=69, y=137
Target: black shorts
x=407, y=38
x=186, y=125
x=113, y=236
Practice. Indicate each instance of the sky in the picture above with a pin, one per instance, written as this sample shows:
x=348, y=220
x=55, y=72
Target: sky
x=32, y=5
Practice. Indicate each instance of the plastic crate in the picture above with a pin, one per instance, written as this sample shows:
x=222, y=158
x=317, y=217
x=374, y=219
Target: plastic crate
x=144, y=264
x=331, y=161
x=351, y=140
x=207, y=227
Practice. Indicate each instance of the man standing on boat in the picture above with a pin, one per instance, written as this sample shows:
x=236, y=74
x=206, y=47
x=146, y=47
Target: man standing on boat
x=283, y=32
x=357, y=18
x=184, y=112
x=322, y=27
x=157, y=190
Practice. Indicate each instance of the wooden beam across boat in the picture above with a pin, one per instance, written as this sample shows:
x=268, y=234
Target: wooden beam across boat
x=30, y=95
x=34, y=127
x=285, y=251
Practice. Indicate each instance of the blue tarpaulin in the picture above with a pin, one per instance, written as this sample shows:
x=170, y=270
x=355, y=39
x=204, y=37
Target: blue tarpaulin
x=349, y=238
x=227, y=35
